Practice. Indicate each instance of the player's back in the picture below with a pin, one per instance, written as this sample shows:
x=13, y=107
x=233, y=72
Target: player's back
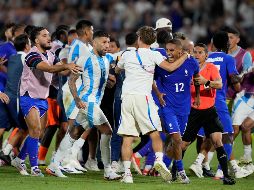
x=226, y=66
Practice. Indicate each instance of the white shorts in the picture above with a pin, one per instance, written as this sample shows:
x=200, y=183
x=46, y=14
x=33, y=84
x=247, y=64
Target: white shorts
x=91, y=116
x=251, y=115
x=70, y=107
x=242, y=108
x=138, y=114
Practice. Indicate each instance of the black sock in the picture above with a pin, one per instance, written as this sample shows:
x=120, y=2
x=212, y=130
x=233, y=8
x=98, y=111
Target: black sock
x=222, y=158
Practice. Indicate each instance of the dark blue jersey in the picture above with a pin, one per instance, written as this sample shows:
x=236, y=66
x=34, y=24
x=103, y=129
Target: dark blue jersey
x=176, y=85
x=227, y=66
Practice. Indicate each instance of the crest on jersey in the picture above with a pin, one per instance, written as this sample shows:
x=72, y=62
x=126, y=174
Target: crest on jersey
x=186, y=72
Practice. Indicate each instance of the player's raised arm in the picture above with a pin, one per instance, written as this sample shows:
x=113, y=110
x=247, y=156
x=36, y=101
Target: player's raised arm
x=176, y=64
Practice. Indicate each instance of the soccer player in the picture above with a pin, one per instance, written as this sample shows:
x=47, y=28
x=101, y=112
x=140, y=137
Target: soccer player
x=138, y=111
x=205, y=115
x=10, y=117
x=227, y=67
x=36, y=77
x=175, y=86
x=116, y=140
x=95, y=71
x=243, y=101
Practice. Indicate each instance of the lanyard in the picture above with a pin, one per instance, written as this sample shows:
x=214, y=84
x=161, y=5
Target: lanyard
x=141, y=64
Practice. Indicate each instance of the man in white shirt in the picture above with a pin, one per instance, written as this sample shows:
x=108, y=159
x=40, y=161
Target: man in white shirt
x=138, y=111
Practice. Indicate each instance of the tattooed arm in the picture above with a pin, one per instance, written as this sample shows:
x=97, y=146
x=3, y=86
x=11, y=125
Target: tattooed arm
x=72, y=85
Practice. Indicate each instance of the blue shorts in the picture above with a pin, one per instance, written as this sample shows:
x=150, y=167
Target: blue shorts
x=9, y=115
x=226, y=121
x=174, y=123
x=201, y=132
x=27, y=103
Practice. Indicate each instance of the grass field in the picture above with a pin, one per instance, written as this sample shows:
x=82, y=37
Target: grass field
x=10, y=179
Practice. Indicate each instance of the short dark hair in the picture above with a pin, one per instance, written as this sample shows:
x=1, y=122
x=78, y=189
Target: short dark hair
x=21, y=41
x=231, y=30
x=179, y=35
x=81, y=25
x=147, y=34
x=131, y=38
x=17, y=27
x=221, y=41
x=28, y=29
x=177, y=42
x=72, y=31
x=163, y=36
x=35, y=32
x=112, y=39
x=62, y=27
x=60, y=32
x=100, y=33
x=202, y=45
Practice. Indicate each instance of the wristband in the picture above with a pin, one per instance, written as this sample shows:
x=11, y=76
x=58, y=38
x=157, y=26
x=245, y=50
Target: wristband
x=207, y=83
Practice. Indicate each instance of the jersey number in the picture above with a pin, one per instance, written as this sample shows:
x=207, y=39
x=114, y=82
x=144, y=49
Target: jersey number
x=179, y=87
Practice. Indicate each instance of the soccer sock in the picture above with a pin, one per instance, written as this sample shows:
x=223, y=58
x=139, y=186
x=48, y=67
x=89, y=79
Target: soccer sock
x=179, y=165
x=105, y=150
x=167, y=160
x=64, y=146
x=150, y=159
x=77, y=145
x=159, y=156
x=247, y=152
x=7, y=149
x=145, y=149
x=228, y=149
x=23, y=152
x=210, y=157
x=127, y=166
x=200, y=159
x=32, y=149
x=222, y=158
x=137, y=155
x=42, y=152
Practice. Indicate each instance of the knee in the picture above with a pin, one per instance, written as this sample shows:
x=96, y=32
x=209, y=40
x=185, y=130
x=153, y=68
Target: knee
x=227, y=138
x=236, y=130
x=75, y=132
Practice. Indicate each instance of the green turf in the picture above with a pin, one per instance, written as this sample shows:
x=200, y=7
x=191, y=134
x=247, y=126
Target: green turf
x=10, y=179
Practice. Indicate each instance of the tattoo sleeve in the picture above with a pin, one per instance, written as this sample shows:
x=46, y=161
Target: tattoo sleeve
x=72, y=85
x=197, y=85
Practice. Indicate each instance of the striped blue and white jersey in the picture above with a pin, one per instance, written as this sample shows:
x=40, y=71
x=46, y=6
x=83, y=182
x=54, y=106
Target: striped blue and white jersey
x=78, y=49
x=94, y=77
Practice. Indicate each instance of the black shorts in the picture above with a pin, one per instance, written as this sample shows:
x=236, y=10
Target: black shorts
x=207, y=118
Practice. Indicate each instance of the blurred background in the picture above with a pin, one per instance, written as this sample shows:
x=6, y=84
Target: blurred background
x=198, y=19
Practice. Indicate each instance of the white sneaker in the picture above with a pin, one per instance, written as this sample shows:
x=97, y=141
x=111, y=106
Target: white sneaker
x=163, y=170
x=249, y=167
x=183, y=177
x=19, y=165
x=196, y=169
x=91, y=164
x=127, y=178
x=77, y=165
x=241, y=173
x=244, y=160
x=68, y=168
x=111, y=175
x=117, y=167
x=219, y=174
x=36, y=172
x=54, y=170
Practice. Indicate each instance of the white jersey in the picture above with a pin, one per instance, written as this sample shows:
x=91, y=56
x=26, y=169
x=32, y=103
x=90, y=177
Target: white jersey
x=139, y=70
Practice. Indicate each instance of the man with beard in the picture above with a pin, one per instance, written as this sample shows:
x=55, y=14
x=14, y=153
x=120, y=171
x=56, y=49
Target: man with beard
x=36, y=77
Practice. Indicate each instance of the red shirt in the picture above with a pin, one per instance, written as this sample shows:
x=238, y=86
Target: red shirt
x=207, y=96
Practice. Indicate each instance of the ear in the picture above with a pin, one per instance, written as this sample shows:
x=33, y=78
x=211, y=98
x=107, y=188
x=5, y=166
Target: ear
x=36, y=41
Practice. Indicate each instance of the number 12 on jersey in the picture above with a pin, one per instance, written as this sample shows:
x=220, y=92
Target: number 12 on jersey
x=179, y=87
